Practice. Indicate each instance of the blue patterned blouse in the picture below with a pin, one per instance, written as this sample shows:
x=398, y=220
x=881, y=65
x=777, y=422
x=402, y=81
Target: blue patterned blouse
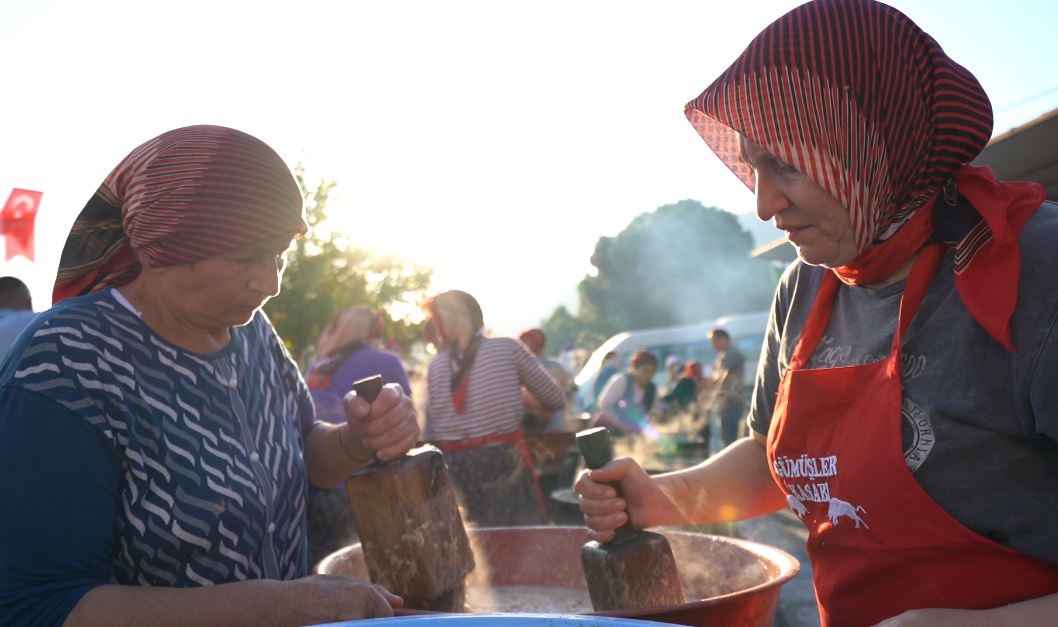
x=124, y=459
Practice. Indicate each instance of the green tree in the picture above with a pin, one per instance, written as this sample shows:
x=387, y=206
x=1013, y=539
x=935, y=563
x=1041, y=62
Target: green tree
x=563, y=328
x=681, y=263
x=324, y=274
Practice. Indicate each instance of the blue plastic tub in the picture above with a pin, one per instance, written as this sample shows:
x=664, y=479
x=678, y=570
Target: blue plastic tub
x=513, y=620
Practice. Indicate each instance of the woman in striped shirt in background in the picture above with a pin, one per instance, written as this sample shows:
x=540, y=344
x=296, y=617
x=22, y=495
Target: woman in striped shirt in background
x=474, y=414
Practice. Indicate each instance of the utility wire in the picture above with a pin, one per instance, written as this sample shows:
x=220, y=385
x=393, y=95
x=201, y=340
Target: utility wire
x=1046, y=92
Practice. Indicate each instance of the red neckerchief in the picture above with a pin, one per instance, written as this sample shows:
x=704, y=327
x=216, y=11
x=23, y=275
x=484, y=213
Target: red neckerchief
x=987, y=258
x=460, y=366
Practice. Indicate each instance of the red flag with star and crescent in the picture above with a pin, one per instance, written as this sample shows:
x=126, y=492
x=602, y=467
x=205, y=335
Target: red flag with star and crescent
x=16, y=222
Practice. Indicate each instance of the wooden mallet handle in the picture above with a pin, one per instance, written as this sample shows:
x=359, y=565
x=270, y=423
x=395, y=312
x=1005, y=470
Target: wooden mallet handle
x=597, y=450
x=368, y=387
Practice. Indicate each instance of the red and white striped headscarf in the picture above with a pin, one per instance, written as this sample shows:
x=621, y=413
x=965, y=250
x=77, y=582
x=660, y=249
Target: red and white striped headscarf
x=186, y=195
x=857, y=97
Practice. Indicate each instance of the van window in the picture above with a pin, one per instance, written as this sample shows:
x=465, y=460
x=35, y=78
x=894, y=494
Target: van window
x=748, y=345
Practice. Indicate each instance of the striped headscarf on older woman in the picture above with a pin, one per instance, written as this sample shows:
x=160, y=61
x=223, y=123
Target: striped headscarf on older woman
x=188, y=194
x=858, y=98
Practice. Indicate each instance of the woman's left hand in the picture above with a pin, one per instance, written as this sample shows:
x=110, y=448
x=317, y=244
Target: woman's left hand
x=385, y=429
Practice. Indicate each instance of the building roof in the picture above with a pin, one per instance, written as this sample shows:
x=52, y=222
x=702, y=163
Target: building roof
x=1028, y=153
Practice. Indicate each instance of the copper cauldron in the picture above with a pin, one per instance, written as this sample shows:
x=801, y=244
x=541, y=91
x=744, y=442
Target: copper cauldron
x=732, y=582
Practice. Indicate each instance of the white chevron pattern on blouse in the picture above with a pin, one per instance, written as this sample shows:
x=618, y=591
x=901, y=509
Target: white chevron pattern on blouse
x=213, y=485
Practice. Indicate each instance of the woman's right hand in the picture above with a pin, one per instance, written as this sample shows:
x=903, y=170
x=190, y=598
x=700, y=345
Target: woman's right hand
x=385, y=428
x=329, y=598
x=642, y=499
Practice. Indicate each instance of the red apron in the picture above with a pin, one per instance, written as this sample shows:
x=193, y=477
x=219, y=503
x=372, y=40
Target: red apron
x=517, y=440
x=879, y=545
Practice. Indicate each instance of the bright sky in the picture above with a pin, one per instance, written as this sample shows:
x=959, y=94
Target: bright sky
x=493, y=141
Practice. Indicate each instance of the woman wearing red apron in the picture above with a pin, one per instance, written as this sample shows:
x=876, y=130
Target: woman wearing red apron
x=905, y=410
x=474, y=414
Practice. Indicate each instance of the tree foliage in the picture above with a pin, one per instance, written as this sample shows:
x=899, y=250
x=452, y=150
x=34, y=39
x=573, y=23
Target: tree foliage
x=324, y=274
x=681, y=263
x=564, y=329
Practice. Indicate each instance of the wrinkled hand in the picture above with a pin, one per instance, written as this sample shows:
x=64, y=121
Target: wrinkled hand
x=328, y=598
x=386, y=429
x=604, y=511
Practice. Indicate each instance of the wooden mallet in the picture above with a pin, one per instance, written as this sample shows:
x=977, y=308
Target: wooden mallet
x=636, y=568
x=410, y=529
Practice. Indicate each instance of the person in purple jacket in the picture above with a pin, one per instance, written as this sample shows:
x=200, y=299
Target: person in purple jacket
x=349, y=349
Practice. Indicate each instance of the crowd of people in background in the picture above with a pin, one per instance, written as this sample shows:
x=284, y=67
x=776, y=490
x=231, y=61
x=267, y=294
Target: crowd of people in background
x=477, y=386
x=634, y=402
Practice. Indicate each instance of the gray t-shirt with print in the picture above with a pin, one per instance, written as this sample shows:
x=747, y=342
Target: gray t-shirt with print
x=980, y=424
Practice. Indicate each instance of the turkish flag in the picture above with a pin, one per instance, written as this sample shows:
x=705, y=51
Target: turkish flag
x=16, y=222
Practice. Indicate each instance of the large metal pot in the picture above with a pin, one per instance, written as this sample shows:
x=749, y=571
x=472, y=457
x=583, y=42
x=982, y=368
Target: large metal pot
x=733, y=582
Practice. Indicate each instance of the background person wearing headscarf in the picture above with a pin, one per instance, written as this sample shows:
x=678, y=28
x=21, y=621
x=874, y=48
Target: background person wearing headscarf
x=156, y=439
x=905, y=410
x=474, y=414
x=673, y=373
x=626, y=404
x=611, y=365
x=537, y=418
x=688, y=402
x=687, y=390
x=349, y=349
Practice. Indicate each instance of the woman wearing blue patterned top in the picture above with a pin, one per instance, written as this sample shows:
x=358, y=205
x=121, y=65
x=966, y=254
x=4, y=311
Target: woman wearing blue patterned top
x=155, y=437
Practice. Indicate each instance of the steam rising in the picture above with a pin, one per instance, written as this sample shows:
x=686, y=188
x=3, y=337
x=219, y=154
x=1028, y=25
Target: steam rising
x=679, y=264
